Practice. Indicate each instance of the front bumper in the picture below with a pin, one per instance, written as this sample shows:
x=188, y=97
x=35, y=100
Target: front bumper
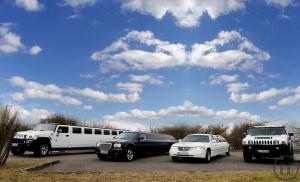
x=192, y=153
x=23, y=144
x=112, y=153
x=267, y=150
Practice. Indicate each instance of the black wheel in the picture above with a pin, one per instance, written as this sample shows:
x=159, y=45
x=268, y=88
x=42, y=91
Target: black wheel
x=247, y=156
x=208, y=156
x=17, y=151
x=175, y=159
x=101, y=156
x=227, y=153
x=42, y=149
x=129, y=154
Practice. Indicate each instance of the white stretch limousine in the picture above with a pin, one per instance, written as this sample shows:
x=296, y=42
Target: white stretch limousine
x=53, y=137
x=201, y=146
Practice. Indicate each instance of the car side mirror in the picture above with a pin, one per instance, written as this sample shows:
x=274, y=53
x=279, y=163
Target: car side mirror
x=291, y=134
x=180, y=140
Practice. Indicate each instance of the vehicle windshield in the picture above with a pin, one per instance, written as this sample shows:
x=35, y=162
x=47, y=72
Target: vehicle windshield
x=127, y=136
x=196, y=138
x=266, y=131
x=44, y=127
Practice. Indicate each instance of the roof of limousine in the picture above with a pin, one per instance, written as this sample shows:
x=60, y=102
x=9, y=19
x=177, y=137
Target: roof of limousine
x=274, y=126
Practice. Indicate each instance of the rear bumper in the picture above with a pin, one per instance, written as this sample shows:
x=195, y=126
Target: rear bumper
x=267, y=150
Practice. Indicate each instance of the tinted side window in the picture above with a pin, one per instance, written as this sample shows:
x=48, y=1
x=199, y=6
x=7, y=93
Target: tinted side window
x=98, y=132
x=142, y=135
x=120, y=132
x=63, y=129
x=106, y=132
x=76, y=130
x=88, y=131
x=114, y=132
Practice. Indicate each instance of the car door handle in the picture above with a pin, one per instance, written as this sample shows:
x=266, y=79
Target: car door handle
x=67, y=135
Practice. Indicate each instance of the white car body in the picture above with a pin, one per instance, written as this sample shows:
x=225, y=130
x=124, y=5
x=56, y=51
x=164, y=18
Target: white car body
x=62, y=137
x=217, y=145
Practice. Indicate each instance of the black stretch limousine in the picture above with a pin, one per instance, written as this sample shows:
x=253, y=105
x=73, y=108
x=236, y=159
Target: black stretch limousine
x=128, y=145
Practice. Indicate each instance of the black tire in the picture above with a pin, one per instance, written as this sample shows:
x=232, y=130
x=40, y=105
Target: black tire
x=101, y=156
x=247, y=156
x=17, y=151
x=42, y=149
x=129, y=154
x=228, y=153
x=175, y=159
x=208, y=156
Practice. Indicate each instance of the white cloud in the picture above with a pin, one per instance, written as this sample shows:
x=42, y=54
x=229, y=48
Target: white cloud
x=147, y=79
x=223, y=78
x=29, y=5
x=290, y=100
x=132, y=126
x=33, y=89
x=79, y=3
x=237, y=87
x=9, y=41
x=123, y=54
x=258, y=97
x=131, y=87
x=105, y=97
x=31, y=116
x=187, y=109
x=35, y=50
x=188, y=12
x=281, y=3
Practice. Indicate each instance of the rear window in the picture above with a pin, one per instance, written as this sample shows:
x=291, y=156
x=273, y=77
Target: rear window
x=88, y=131
x=76, y=130
x=98, y=132
x=114, y=132
x=106, y=132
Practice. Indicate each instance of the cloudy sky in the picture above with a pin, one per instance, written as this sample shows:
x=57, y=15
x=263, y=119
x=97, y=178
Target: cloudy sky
x=141, y=63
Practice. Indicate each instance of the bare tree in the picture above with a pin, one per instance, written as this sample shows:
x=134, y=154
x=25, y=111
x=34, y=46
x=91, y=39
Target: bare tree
x=60, y=119
x=8, y=125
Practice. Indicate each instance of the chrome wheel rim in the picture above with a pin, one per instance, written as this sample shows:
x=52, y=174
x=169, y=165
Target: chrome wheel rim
x=129, y=154
x=44, y=149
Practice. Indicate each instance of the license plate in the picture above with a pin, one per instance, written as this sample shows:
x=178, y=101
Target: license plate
x=182, y=153
x=14, y=144
x=103, y=151
x=263, y=151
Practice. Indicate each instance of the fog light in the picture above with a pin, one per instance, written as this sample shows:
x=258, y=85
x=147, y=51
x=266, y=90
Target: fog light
x=250, y=147
x=277, y=148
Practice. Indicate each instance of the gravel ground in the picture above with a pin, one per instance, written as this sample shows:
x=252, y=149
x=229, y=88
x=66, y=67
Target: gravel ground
x=88, y=162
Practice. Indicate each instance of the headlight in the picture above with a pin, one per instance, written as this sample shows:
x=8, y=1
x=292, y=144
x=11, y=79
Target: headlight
x=200, y=148
x=276, y=142
x=250, y=142
x=117, y=145
x=98, y=144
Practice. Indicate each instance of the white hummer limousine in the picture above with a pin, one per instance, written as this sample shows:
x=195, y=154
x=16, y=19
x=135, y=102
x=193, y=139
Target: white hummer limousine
x=54, y=137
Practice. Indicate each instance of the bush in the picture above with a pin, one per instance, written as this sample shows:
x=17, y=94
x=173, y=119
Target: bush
x=8, y=126
x=61, y=119
x=178, y=131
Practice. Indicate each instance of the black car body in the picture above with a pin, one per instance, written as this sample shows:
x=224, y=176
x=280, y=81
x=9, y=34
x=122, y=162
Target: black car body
x=130, y=144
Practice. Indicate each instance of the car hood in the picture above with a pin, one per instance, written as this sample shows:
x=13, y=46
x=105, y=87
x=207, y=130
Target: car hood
x=191, y=144
x=25, y=134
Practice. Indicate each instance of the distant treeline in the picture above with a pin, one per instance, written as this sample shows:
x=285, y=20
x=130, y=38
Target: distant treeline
x=234, y=136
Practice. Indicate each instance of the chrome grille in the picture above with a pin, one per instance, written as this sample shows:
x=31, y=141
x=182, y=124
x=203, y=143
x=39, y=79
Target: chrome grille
x=184, y=148
x=263, y=142
x=105, y=146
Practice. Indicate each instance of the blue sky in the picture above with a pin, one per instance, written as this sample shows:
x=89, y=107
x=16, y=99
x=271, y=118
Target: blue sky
x=139, y=63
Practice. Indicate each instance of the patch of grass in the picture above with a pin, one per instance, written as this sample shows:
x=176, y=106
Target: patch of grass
x=12, y=172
